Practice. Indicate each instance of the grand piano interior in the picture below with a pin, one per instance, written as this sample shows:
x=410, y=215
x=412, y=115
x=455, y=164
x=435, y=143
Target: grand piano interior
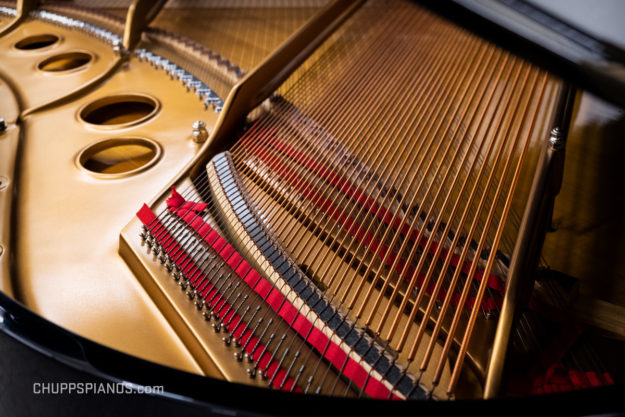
x=387, y=200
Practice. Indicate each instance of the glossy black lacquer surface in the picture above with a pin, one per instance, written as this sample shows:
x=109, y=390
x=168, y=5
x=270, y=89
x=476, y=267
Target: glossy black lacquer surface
x=35, y=351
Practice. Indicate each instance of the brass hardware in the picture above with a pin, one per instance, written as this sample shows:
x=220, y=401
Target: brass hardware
x=199, y=134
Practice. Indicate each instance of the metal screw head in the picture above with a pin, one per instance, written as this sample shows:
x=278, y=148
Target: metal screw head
x=555, y=138
x=199, y=124
x=3, y=125
x=118, y=48
x=200, y=134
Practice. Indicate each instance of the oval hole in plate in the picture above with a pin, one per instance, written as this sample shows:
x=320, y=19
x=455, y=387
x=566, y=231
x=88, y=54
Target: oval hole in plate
x=120, y=110
x=36, y=42
x=119, y=156
x=65, y=62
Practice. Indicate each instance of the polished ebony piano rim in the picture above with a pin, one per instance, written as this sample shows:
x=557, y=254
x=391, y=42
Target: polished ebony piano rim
x=34, y=350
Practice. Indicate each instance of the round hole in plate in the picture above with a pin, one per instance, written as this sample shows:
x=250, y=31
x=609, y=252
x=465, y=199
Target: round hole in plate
x=120, y=110
x=65, y=62
x=119, y=157
x=36, y=42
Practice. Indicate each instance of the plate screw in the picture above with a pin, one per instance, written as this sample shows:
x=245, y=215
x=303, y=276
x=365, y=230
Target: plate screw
x=555, y=139
x=200, y=134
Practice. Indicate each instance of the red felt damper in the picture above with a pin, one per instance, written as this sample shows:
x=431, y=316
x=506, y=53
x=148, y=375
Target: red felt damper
x=330, y=350
x=236, y=325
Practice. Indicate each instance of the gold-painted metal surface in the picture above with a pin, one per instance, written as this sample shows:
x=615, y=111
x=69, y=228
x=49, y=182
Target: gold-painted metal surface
x=36, y=87
x=140, y=14
x=9, y=144
x=87, y=288
x=23, y=8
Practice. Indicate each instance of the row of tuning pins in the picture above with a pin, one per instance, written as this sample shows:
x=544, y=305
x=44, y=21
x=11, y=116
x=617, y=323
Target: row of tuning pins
x=210, y=314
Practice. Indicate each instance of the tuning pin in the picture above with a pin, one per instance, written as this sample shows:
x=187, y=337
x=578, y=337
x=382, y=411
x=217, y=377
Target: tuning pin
x=262, y=375
x=169, y=265
x=118, y=48
x=489, y=315
x=249, y=357
x=199, y=304
x=226, y=340
x=206, y=315
x=237, y=342
x=183, y=284
x=193, y=85
x=217, y=327
x=251, y=372
x=238, y=356
x=191, y=294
